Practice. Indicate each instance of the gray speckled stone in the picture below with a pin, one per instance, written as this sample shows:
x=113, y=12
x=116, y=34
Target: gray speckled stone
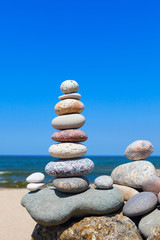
x=69, y=86
x=149, y=222
x=140, y=204
x=103, y=182
x=68, y=121
x=139, y=150
x=69, y=168
x=132, y=174
x=51, y=207
x=70, y=96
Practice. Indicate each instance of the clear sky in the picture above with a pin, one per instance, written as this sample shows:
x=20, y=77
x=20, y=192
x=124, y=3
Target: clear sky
x=111, y=48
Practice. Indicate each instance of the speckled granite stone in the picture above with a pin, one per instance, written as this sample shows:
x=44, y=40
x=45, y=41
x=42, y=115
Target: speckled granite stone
x=69, y=86
x=69, y=168
x=67, y=150
x=149, y=222
x=140, y=204
x=132, y=174
x=139, y=150
x=69, y=106
x=70, y=135
x=71, y=185
x=70, y=96
x=68, y=121
x=51, y=207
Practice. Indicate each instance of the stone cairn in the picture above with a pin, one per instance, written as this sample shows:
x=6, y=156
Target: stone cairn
x=136, y=183
x=70, y=166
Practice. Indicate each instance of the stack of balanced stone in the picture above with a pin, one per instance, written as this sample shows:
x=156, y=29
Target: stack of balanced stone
x=70, y=166
x=71, y=196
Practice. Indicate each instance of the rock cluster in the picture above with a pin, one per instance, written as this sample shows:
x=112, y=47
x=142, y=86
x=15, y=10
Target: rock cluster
x=71, y=195
x=136, y=176
x=70, y=166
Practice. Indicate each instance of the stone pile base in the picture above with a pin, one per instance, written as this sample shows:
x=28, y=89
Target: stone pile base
x=103, y=228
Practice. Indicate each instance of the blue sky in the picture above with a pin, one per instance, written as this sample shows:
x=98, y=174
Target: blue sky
x=111, y=48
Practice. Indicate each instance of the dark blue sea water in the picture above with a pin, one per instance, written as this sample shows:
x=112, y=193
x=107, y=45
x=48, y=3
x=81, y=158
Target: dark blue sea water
x=15, y=169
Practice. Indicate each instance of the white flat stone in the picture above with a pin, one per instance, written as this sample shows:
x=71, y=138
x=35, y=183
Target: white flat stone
x=36, y=177
x=35, y=186
x=70, y=96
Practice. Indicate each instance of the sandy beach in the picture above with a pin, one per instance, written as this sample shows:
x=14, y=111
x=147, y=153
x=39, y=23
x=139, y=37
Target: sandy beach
x=15, y=222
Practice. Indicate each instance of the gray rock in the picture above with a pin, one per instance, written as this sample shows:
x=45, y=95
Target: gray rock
x=115, y=227
x=149, y=222
x=51, y=207
x=140, y=204
x=67, y=150
x=132, y=174
x=103, y=182
x=71, y=185
x=69, y=86
x=70, y=96
x=68, y=121
x=139, y=150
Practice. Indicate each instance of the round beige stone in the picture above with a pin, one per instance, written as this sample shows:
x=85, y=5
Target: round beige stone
x=67, y=150
x=128, y=192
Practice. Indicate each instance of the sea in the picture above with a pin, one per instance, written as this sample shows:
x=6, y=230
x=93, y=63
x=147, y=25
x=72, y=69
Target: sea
x=15, y=169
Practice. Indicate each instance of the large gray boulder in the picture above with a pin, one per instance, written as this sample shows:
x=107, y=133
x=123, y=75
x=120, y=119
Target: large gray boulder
x=51, y=207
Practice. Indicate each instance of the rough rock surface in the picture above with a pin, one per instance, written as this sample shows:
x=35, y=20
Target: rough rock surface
x=70, y=135
x=70, y=168
x=68, y=106
x=151, y=184
x=128, y=192
x=68, y=121
x=115, y=227
x=69, y=86
x=139, y=150
x=132, y=174
x=67, y=150
x=149, y=222
x=70, y=96
x=155, y=233
x=140, y=204
x=51, y=207
x=71, y=185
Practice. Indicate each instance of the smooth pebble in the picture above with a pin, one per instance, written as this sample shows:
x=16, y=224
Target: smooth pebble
x=69, y=86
